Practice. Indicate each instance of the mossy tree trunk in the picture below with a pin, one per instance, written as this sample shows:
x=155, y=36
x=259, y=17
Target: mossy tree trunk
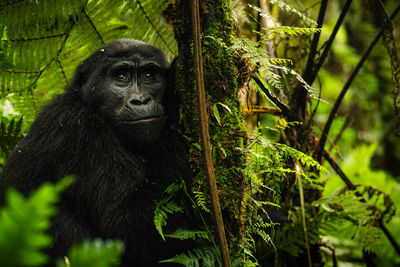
x=226, y=125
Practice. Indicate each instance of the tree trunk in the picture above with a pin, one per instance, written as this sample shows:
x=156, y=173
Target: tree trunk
x=226, y=124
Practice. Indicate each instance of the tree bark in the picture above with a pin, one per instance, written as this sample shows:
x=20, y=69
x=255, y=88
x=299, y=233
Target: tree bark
x=227, y=132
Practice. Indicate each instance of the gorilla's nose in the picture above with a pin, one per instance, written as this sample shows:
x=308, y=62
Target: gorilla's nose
x=139, y=99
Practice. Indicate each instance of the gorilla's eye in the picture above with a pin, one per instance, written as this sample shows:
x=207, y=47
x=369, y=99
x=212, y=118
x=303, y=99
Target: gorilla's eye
x=122, y=76
x=150, y=73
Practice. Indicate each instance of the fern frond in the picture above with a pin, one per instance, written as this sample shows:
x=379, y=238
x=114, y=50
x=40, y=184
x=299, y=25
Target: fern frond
x=300, y=156
x=161, y=214
x=201, y=201
x=24, y=222
x=290, y=9
x=285, y=31
x=155, y=28
x=10, y=135
x=184, y=234
x=206, y=256
x=264, y=14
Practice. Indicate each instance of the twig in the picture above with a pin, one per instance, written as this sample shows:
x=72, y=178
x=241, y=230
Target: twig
x=389, y=236
x=338, y=170
x=328, y=44
x=205, y=137
x=322, y=141
x=279, y=104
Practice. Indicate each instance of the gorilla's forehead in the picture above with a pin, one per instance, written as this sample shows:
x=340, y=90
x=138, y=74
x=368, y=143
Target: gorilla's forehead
x=133, y=50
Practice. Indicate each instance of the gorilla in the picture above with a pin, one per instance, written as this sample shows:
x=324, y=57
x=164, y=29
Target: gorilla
x=115, y=129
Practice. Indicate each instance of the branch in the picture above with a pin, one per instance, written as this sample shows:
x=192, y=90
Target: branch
x=338, y=170
x=389, y=236
x=279, y=104
x=302, y=94
x=322, y=141
x=328, y=44
x=205, y=136
x=314, y=44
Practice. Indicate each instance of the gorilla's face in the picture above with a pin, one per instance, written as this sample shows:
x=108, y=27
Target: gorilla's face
x=126, y=82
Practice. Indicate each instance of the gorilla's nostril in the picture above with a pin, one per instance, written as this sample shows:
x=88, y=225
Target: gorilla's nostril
x=136, y=102
x=141, y=100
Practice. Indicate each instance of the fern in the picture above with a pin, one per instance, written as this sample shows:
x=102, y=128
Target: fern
x=166, y=206
x=201, y=201
x=288, y=8
x=259, y=61
x=24, y=222
x=4, y=63
x=264, y=14
x=184, y=234
x=206, y=257
x=342, y=207
x=10, y=135
x=161, y=212
x=300, y=156
x=285, y=31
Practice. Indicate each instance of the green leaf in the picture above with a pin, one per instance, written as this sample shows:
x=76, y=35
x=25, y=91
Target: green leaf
x=24, y=222
x=164, y=207
x=216, y=114
x=95, y=253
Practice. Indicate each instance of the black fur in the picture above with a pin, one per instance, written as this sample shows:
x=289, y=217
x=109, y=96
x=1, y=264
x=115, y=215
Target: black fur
x=116, y=186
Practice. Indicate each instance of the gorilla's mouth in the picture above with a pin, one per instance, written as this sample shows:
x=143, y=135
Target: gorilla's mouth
x=144, y=120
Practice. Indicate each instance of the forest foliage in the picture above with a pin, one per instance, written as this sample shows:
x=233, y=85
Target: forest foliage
x=294, y=207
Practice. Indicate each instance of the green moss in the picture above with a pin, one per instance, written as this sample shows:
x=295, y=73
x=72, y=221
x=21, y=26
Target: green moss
x=221, y=87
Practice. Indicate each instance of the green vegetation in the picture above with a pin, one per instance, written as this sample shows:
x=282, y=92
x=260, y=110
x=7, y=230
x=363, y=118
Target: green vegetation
x=294, y=189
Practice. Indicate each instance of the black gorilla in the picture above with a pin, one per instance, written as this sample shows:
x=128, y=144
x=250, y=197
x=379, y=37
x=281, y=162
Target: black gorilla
x=114, y=128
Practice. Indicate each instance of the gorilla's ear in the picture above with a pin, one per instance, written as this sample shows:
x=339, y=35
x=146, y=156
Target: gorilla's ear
x=84, y=70
x=81, y=75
